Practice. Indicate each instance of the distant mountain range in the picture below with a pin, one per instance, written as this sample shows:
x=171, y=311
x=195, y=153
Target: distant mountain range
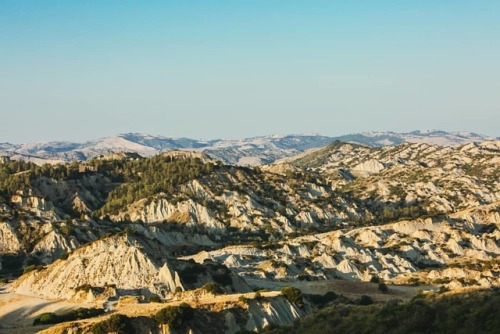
x=250, y=151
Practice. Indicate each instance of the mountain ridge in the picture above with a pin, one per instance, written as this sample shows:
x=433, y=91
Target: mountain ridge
x=251, y=151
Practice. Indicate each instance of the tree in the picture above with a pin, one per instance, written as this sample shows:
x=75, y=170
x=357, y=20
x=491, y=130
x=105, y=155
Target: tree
x=117, y=323
x=213, y=288
x=365, y=300
x=175, y=316
x=382, y=287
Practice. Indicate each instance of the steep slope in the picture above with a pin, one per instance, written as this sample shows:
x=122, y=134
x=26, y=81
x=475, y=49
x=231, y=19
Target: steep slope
x=120, y=262
x=458, y=250
x=48, y=211
x=416, y=178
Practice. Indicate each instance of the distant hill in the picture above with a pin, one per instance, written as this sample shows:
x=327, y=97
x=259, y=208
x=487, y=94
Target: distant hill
x=250, y=151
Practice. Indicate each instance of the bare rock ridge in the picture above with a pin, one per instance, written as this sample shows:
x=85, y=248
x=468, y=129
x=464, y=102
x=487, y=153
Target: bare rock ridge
x=122, y=262
x=396, y=252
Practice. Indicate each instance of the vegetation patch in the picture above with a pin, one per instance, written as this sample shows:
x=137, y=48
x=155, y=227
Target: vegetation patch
x=470, y=313
x=175, y=316
x=213, y=288
x=78, y=314
x=293, y=295
x=117, y=323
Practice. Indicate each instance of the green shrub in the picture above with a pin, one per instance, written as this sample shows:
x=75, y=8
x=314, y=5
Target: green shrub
x=223, y=279
x=365, y=300
x=383, y=288
x=213, y=288
x=175, y=316
x=78, y=314
x=243, y=299
x=191, y=273
x=46, y=318
x=29, y=269
x=293, y=295
x=154, y=299
x=323, y=299
x=117, y=323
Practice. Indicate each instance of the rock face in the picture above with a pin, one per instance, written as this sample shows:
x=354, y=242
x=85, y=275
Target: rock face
x=390, y=252
x=9, y=242
x=123, y=262
x=41, y=241
x=367, y=168
x=277, y=311
x=215, y=206
x=187, y=212
x=36, y=204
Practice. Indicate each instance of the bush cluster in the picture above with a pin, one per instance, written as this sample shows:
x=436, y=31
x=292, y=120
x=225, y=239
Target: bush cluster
x=32, y=267
x=175, y=316
x=117, y=323
x=78, y=314
x=323, y=299
x=293, y=295
x=213, y=288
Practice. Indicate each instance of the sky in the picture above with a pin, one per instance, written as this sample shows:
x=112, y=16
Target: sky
x=80, y=70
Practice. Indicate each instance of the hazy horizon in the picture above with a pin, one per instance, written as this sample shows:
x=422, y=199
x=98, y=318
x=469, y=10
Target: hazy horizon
x=79, y=71
x=90, y=139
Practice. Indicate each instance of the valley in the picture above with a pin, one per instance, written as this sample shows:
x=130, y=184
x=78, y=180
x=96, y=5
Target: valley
x=245, y=247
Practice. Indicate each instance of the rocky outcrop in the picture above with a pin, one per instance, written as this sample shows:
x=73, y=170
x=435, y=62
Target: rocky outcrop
x=186, y=212
x=9, y=242
x=35, y=204
x=53, y=245
x=367, y=168
x=389, y=251
x=125, y=262
x=433, y=178
x=276, y=311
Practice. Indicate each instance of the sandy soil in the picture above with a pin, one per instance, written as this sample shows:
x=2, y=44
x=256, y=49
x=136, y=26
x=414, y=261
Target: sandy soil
x=17, y=312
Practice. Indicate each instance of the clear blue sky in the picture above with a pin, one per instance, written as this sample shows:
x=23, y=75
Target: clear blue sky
x=75, y=70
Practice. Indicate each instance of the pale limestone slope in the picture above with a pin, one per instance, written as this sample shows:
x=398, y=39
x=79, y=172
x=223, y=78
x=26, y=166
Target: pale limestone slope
x=121, y=261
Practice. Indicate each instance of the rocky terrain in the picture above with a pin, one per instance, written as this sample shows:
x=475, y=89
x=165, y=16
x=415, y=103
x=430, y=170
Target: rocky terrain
x=171, y=226
x=251, y=151
x=459, y=250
